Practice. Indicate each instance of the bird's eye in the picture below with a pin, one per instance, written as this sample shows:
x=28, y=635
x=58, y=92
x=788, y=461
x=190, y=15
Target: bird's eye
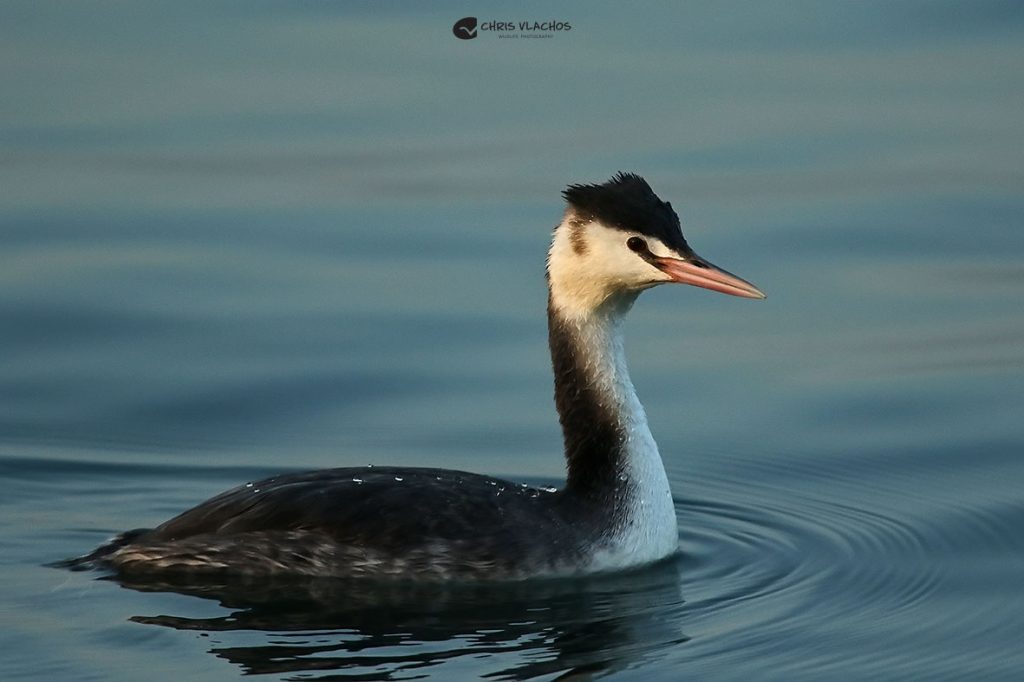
x=636, y=244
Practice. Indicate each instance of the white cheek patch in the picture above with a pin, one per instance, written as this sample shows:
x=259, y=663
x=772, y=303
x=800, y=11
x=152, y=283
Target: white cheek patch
x=589, y=262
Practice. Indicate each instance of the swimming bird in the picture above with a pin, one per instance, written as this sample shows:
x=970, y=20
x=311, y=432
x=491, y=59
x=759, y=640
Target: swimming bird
x=615, y=240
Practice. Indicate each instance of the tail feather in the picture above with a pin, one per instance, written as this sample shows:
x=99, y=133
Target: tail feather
x=96, y=557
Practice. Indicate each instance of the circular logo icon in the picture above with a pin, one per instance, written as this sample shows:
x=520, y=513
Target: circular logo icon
x=465, y=28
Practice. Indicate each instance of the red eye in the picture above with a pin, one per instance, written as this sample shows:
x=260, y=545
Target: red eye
x=636, y=244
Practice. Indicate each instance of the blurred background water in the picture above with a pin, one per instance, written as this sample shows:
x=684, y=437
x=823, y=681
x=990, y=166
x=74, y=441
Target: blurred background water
x=253, y=237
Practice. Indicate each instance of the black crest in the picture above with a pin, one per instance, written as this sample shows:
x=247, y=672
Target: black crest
x=628, y=203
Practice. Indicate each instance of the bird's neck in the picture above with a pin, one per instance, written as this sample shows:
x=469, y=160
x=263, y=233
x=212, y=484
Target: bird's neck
x=611, y=455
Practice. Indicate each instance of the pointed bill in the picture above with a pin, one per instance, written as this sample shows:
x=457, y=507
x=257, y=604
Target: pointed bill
x=698, y=272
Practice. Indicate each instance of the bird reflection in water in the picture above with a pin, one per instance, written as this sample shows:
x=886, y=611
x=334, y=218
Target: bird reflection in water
x=359, y=630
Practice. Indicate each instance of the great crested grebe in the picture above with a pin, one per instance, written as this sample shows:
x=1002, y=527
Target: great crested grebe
x=615, y=240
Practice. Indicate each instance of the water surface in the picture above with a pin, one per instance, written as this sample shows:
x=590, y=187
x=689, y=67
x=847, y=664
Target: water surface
x=270, y=237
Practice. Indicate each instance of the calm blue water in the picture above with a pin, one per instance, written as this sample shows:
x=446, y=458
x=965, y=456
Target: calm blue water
x=268, y=237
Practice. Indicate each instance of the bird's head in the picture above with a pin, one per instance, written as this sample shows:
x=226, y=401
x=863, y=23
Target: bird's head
x=619, y=238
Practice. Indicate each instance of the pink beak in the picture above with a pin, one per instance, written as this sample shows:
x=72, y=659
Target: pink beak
x=700, y=273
